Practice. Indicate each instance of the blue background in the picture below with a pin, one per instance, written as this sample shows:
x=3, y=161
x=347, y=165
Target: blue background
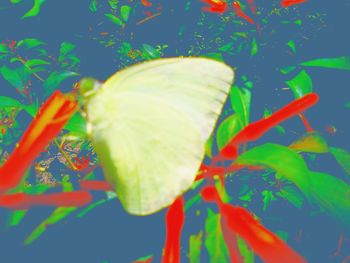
x=108, y=234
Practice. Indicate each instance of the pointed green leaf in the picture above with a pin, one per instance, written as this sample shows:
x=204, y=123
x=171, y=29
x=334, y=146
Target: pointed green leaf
x=55, y=79
x=76, y=125
x=12, y=76
x=209, y=147
x=343, y=158
x=287, y=70
x=245, y=251
x=115, y=20
x=36, y=62
x=291, y=45
x=30, y=43
x=93, y=6
x=9, y=102
x=125, y=12
x=268, y=197
x=149, y=52
x=65, y=48
x=90, y=207
x=57, y=215
x=214, y=240
x=300, y=85
x=35, y=9
x=191, y=202
x=146, y=259
x=254, y=48
x=4, y=48
x=228, y=128
x=240, y=101
x=329, y=192
x=15, y=217
x=335, y=63
x=195, y=247
x=113, y=3
x=226, y=48
x=292, y=195
x=225, y=197
x=311, y=142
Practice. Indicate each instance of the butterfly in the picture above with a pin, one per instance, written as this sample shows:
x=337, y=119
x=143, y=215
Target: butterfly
x=149, y=124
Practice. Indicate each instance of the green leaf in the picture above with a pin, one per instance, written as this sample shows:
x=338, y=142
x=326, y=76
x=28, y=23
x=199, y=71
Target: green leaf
x=214, y=240
x=15, y=217
x=291, y=45
x=343, y=158
x=146, y=259
x=115, y=20
x=225, y=197
x=35, y=9
x=240, y=101
x=32, y=109
x=149, y=52
x=287, y=70
x=292, y=195
x=113, y=3
x=4, y=48
x=76, y=125
x=36, y=62
x=245, y=251
x=15, y=1
x=195, y=247
x=90, y=207
x=300, y=85
x=279, y=158
x=311, y=142
x=335, y=63
x=30, y=43
x=268, y=197
x=254, y=48
x=227, y=47
x=228, y=128
x=57, y=215
x=191, y=202
x=65, y=48
x=209, y=147
x=93, y=6
x=125, y=12
x=329, y=192
x=12, y=76
x=9, y=102
x=55, y=79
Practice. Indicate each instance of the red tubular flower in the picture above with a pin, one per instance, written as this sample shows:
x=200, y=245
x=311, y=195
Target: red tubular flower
x=256, y=129
x=146, y=3
x=239, y=12
x=26, y=201
x=51, y=118
x=175, y=219
x=287, y=3
x=216, y=6
x=267, y=245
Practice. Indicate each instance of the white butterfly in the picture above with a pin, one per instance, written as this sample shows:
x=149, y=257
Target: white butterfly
x=149, y=125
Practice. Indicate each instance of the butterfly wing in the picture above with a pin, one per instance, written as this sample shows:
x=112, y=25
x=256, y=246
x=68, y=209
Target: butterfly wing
x=149, y=124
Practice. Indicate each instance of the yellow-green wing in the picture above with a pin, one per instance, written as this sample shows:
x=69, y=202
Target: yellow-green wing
x=149, y=124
